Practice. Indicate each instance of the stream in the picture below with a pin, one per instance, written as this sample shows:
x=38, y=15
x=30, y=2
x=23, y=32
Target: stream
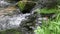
x=11, y=17
x=8, y=22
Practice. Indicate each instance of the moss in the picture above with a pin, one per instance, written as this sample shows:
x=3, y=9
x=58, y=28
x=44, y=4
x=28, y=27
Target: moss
x=21, y=5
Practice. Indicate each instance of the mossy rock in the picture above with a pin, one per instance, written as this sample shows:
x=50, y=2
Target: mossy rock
x=26, y=6
x=21, y=5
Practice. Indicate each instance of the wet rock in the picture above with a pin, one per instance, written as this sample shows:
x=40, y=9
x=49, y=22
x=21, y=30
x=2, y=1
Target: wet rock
x=9, y=11
x=3, y=4
x=28, y=26
x=26, y=6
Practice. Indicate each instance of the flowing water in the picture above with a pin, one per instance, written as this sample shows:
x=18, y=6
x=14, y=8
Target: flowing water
x=8, y=22
x=11, y=17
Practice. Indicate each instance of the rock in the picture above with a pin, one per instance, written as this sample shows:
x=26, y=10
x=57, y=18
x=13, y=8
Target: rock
x=26, y=6
x=48, y=3
x=28, y=26
x=3, y=4
x=11, y=10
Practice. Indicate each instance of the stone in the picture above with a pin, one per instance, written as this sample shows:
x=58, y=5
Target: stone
x=11, y=10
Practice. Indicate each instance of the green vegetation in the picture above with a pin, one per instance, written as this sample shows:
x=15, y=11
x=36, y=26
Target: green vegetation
x=21, y=5
x=46, y=11
x=48, y=27
x=51, y=26
x=10, y=31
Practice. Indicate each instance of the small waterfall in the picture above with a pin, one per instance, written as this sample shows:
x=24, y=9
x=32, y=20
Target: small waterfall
x=9, y=22
x=16, y=20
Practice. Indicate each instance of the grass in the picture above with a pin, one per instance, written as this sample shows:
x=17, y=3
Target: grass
x=51, y=26
x=10, y=31
x=46, y=11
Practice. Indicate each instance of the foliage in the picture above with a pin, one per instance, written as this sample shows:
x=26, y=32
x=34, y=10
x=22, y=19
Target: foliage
x=58, y=2
x=10, y=31
x=51, y=26
x=46, y=11
x=21, y=5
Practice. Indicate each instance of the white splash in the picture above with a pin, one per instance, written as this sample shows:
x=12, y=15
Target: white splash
x=3, y=3
x=8, y=22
